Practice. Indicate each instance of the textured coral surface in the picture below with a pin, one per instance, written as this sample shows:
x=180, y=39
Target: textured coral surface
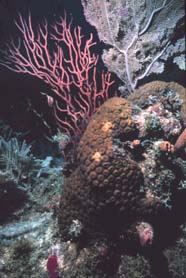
x=125, y=190
x=154, y=91
x=103, y=192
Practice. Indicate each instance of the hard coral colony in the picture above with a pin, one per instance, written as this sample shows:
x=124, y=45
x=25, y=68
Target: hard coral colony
x=111, y=193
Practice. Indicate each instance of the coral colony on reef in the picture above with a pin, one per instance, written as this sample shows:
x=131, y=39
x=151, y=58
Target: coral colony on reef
x=121, y=153
x=117, y=182
x=125, y=183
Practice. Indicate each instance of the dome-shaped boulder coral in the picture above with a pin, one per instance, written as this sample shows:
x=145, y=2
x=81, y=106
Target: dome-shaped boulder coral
x=103, y=194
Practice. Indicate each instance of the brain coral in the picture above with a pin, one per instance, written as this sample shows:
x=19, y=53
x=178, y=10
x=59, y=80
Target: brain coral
x=103, y=193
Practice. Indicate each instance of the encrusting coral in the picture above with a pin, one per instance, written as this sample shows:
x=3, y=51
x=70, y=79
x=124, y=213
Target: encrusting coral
x=170, y=94
x=165, y=101
x=103, y=194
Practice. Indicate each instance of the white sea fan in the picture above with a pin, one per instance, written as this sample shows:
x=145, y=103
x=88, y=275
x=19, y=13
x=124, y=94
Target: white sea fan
x=140, y=35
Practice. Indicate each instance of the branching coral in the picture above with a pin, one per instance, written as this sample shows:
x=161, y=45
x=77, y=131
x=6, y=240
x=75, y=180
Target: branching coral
x=69, y=67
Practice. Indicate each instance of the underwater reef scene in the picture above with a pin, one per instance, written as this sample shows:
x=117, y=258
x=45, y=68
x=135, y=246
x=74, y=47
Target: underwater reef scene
x=92, y=139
